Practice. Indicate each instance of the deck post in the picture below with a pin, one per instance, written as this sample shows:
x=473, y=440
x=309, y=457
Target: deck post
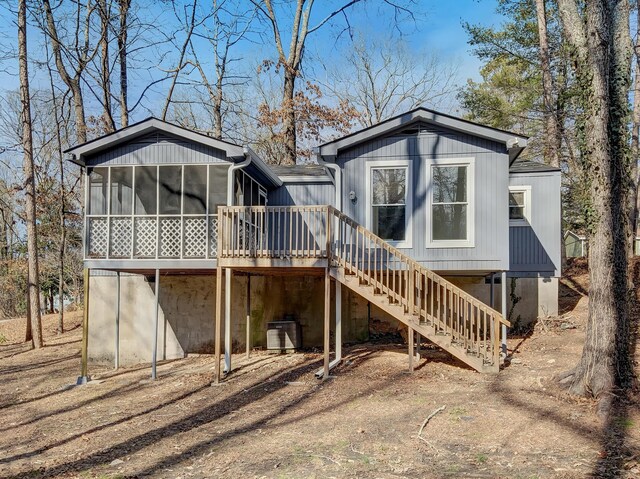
x=338, y=321
x=248, y=341
x=218, y=308
x=227, y=321
x=327, y=321
x=116, y=353
x=504, y=312
x=410, y=340
x=491, y=290
x=84, y=377
x=418, y=341
x=154, y=357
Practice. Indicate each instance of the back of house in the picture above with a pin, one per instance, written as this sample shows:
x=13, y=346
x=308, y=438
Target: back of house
x=435, y=214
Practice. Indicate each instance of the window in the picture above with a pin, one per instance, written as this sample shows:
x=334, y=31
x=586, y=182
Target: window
x=451, y=210
x=195, y=189
x=388, y=212
x=519, y=205
x=146, y=190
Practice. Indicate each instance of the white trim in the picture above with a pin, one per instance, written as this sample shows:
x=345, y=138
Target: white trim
x=469, y=162
x=408, y=241
x=526, y=189
x=305, y=179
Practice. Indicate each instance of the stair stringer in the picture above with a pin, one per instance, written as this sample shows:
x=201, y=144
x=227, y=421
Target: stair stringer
x=426, y=330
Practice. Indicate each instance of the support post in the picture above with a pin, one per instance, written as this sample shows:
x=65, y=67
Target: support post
x=154, y=357
x=338, y=321
x=504, y=312
x=327, y=321
x=227, y=321
x=418, y=344
x=410, y=340
x=248, y=341
x=84, y=377
x=116, y=352
x=491, y=290
x=218, y=306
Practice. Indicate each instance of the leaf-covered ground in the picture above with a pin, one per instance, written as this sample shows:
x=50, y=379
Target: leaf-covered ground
x=273, y=419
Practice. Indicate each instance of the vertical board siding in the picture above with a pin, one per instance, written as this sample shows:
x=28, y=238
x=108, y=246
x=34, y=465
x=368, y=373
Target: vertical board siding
x=490, y=251
x=157, y=148
x=536, y=248
x=302, y=194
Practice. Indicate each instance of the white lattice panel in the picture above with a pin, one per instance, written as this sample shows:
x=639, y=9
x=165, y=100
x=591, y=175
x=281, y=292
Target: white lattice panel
x=120, y=241
x=97, y=247
x=170, y=237
x=146, y=238
x=213, y=236
x=195, y=237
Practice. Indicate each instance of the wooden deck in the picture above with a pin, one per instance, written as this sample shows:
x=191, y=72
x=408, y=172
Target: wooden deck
x=322, y=238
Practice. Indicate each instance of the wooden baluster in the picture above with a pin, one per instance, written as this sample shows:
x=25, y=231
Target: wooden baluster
x=411, y=289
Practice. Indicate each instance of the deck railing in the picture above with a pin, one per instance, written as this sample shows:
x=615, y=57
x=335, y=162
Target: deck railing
x=324, y=232
x=273, y=232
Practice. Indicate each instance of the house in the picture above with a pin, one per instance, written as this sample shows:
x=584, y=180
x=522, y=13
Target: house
x=425, y=219
x=575, y=244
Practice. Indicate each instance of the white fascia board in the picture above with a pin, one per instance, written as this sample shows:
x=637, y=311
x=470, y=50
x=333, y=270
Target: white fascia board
x=511, y=141
x=146, y=126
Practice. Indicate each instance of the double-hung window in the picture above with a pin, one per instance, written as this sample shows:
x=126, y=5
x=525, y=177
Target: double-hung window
x=452, y=204
x=389, y=201
x=519, y=205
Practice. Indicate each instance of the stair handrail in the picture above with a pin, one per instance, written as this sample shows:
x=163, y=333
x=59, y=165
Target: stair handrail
x=458, y=319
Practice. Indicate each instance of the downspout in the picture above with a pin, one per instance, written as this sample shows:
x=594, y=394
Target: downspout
x=337, y=181
x=337, y=178
x=227, y=316
x=230, y=172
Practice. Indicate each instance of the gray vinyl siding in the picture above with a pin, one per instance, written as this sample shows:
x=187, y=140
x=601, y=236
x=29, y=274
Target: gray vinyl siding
x=157, y=148
x=490, y=250
x=302, y=194
x=536, y=248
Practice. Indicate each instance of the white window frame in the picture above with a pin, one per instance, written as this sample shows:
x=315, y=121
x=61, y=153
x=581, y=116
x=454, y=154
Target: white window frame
x=408, y=191
x=470, y=163
x=526, y=189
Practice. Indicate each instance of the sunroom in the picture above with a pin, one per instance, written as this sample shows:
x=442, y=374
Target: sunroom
x=152, y=195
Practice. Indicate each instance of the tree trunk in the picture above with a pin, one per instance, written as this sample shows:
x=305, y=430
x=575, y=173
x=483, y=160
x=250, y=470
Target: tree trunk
x=122, y=55
x=602, y=60
x=29, y=179
x=634, y=201
x=28, y=337
x=289, y=120
x=553, y=138
x=105, y=74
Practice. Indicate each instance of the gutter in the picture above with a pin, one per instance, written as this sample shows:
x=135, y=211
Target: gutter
x=337, y=177
x=230, y=171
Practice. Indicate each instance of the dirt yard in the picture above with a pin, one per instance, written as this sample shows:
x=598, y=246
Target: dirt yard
x=273, y=419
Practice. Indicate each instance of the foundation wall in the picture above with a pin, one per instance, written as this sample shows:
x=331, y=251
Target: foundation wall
x=187, y=311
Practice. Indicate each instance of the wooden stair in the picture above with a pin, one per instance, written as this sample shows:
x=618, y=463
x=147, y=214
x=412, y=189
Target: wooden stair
x=426, y=328
x=321, y=237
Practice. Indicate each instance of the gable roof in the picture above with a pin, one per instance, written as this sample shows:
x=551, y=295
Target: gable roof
x=528, y=166
x=80, y=152
x=514, y=142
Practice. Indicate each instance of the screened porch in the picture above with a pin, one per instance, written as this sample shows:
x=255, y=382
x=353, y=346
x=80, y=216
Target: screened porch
x=161, y=212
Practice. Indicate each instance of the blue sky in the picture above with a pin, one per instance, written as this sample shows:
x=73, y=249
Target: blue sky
x=439, y=29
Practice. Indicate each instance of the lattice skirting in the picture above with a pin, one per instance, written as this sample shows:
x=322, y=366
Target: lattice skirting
x=146, y=238
x=120, y=241
x=97, y=228
x=170, y=237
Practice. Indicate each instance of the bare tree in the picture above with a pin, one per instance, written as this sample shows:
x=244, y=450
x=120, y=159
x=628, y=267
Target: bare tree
x=104, y=12
x=123, y=33
x=79, y=52
x=381, y=79
x=553, y=135
x=228, y=28
x=29, y=180
x=291, y=61
x=190, y=20
x=600, y=39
